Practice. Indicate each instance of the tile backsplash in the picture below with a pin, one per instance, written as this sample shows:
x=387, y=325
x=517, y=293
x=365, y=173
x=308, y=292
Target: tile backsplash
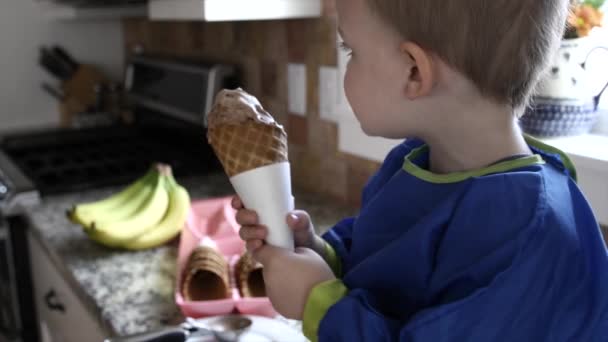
x=263, y=49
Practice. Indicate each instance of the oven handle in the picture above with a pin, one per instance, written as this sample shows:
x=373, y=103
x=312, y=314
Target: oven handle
x=52, y=301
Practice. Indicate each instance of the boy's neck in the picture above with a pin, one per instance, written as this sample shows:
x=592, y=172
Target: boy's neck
x=472, y=133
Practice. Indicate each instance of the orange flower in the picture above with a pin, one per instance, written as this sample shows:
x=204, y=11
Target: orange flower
x=584, y=18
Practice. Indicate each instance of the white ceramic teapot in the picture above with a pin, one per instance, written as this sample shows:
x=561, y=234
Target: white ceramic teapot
x=565, y=102
x=567, y=79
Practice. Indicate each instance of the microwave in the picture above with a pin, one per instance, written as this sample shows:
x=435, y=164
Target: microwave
x=151, y=83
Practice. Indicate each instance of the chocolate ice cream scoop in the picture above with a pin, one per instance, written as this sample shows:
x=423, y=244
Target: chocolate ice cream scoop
x=243, y=134
x=236, y=107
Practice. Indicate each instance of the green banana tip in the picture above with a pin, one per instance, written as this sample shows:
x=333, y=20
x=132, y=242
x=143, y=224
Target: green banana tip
x=167, y=174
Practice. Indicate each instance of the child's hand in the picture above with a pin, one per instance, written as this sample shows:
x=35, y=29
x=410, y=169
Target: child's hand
x=254, y=234
x=290, y=276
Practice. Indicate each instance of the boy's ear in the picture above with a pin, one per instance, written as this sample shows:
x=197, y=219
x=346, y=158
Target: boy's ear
x=422, y=75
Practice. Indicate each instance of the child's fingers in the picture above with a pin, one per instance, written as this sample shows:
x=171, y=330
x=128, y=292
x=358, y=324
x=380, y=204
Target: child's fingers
x=298, y=220
x=248, y=233
x=237, y=203
x=246, y=217
x=252, y=245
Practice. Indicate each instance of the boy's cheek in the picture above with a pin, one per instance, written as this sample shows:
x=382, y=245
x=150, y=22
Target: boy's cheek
x=348, y=84
x=355, y=92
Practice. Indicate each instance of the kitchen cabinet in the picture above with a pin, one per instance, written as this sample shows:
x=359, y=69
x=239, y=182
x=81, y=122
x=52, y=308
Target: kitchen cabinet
x=60, y=11
x=175, y=10
x=233, y=10
x=62, y=316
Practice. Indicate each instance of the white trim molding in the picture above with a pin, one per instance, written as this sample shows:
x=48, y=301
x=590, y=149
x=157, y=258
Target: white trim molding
x=352, y=140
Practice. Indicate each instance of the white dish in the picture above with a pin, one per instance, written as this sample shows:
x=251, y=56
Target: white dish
x=263, y=329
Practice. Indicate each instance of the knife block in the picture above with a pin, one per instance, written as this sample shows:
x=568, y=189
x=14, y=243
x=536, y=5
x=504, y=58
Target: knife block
x=79, y=93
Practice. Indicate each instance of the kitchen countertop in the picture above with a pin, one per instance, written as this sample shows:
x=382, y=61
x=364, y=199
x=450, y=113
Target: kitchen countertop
x=132, y=292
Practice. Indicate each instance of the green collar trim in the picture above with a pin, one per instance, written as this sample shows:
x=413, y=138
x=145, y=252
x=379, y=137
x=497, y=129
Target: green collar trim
x=550, y=149
x=456, y=177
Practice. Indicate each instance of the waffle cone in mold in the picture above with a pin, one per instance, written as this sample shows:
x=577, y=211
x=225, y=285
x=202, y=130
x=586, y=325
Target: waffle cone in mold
x=249, y=278
x=206, y=276
x=243, y=135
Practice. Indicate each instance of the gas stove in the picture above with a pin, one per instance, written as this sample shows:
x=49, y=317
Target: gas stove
x=67, y=161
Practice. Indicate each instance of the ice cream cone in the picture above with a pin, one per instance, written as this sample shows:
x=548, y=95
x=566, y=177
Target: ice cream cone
x=241, y=148
x=252, y=148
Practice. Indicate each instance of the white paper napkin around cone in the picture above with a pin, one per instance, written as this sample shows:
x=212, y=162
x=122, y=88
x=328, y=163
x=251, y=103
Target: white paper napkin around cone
x=267, y=191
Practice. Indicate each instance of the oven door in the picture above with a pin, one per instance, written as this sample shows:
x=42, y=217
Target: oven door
x=10, y=326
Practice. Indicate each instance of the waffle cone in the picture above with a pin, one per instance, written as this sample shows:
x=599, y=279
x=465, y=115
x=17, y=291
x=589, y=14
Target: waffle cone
x=205, y=276
x=249, y=145
x=205, y=256
x=249, y=278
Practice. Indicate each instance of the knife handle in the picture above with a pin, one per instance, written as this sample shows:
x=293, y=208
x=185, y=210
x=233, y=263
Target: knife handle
x=175, y=334
x=60, y=51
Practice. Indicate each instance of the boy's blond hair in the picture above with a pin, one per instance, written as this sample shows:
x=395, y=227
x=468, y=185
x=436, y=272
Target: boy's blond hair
x=501, y=45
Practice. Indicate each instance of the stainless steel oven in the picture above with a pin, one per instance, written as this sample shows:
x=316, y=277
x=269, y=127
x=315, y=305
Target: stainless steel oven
x=9, y=307
x=17, y=317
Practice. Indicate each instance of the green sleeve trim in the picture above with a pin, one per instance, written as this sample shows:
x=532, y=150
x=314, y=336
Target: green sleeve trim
x=332, y=259
x=320, y=299
x=456, y=177
x=550, y=149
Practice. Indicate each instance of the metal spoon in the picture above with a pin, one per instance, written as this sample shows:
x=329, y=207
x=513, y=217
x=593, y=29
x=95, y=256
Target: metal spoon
x=224, y=328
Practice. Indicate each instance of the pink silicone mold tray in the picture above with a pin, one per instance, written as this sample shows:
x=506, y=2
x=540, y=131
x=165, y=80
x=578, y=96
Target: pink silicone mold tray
x=214, y=219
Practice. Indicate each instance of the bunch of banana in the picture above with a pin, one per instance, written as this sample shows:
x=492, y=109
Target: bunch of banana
x=146, y=214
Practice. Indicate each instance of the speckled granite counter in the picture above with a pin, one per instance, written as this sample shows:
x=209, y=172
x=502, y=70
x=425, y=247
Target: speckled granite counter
x=131, y=292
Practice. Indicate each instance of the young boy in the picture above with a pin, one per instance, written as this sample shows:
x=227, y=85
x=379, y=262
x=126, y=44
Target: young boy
x=469, y=231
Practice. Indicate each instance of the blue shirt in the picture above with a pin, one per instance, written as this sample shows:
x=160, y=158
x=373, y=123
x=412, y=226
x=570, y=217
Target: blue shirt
x=509, y=253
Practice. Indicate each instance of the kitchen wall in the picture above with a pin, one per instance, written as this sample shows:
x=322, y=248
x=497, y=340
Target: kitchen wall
x=263, y=49
x=23, y=27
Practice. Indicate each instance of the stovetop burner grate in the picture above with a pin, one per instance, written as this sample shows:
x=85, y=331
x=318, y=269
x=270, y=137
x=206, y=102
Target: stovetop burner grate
x=76, y=160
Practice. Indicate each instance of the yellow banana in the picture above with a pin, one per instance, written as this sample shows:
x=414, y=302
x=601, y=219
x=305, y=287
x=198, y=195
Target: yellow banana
x=113, y=233
x=85, y=213
x=171, y=224
x=124, y=211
